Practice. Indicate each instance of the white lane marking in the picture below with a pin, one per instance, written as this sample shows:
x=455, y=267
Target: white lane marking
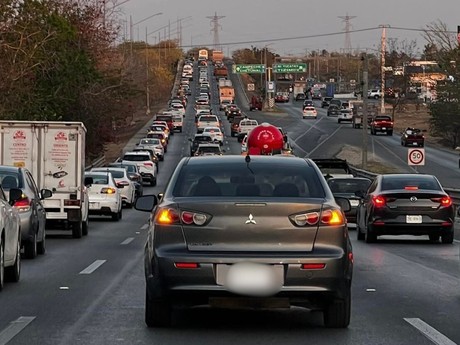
x=430, y=332
x=324, y=141
x=14, y=328
x=94, y=266
x=127, y=241
x=145, y=226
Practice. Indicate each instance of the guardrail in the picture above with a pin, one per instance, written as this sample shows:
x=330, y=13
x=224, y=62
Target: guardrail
x=99, y=162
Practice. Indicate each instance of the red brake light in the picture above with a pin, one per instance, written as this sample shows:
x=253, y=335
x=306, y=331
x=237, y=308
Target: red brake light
x=445, y=201
x=186, y=265
x=411, y=188
x=313, y=266
x=148, y=164
x=23, y=205
x=378, y=201
x=189, y=218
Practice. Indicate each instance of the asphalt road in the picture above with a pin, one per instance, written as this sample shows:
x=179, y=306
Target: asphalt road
x=91, y=290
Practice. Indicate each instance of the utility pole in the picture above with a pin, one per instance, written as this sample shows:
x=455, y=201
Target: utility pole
x=147, y=90
x=364, y=58
x=382, y=68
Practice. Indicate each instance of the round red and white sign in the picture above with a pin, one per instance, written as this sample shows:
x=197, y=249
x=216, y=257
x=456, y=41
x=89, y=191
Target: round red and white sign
x=416, y=157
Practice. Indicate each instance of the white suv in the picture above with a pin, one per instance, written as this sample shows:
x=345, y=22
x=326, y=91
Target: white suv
x=374, y=93
x=147, y=167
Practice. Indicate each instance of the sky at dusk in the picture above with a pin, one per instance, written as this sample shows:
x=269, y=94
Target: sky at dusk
x=275, y=24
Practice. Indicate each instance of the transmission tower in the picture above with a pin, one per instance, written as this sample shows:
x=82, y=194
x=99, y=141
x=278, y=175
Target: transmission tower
x=215, y=29
x=347, y=30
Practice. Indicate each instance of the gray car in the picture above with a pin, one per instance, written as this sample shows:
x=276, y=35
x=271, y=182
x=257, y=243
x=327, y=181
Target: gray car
x=30, y=208
x=251, y=231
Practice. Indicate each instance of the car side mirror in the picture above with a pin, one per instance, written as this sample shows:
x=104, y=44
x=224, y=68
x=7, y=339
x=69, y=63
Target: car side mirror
x=146, y=203
x=45, y=193
x=344, y=203
x=88, y=181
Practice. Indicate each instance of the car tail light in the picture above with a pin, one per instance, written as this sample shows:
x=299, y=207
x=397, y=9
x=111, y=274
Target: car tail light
x=378, y=201
x=167, y=216
x=123, y=183
x=189, y=218
x=313, y=266
x=23, y=205
x=108, y=190
x=332, y=217
x=148, y=164
x=445, y=201
x=327, y=217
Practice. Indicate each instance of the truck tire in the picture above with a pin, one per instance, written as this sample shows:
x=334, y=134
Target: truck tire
x=77, y=229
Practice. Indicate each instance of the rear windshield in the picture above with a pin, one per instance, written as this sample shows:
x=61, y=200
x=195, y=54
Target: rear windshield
x=163, y=118
x=203, y=138
x=99, y=179
x=419, y=182
x=10, y=180
x=260, y=180
x=136, y=158
x=208, y=118
x=348, y=185
x=151, y=141
x=116, y=173
x=209, y=149
x=129, y=167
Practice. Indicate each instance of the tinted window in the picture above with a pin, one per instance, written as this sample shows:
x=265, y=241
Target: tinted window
x=348, y=185
x=266, y=178
x=136, y=158
x=11, y=179
x=99, y=179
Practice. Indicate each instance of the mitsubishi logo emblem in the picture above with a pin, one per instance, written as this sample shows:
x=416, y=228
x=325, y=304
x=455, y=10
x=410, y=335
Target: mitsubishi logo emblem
x=251, y=220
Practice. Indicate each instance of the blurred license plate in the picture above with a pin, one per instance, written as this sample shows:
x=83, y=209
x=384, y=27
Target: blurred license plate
x=354, y=202
x=414, y=219
x=384, y=128
x=94, y=205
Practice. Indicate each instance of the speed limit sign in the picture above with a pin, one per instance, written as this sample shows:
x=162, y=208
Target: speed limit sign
x=416, y=157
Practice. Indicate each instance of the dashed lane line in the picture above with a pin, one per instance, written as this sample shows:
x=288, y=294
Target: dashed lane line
x=94, y=266
x=14, y=328
x=431, y=333
x=145, y=226
x=127, y=241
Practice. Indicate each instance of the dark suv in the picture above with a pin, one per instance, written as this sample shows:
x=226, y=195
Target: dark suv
x=197, y=140
x=235, y=124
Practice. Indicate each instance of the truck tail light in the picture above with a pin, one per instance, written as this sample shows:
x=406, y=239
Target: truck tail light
x=72, y=202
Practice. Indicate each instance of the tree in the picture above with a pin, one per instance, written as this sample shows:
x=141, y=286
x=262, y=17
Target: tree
x=445, y=112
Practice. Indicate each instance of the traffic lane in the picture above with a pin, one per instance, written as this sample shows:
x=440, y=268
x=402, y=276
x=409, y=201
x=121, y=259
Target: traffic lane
x=386, y=291
x=407, y=277
x=52, y=288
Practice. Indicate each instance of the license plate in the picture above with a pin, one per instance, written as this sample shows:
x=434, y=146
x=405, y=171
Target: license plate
x=384, y=128
x=413, y=219
x=354, y=202
x=251, y=278
x=94, y=205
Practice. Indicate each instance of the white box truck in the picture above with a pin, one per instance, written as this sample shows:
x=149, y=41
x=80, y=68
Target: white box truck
x=54, y=152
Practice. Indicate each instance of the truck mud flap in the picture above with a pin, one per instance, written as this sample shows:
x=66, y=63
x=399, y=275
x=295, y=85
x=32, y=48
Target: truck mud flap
x=74, y=215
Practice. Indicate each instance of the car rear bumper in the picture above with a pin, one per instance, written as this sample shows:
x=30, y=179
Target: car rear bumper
x=395, y=227
x=165, y=280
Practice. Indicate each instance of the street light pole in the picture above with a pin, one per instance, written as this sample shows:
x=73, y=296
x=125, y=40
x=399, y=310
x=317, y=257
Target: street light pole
x=382, y=68
x=147, y=90
x=365, y=115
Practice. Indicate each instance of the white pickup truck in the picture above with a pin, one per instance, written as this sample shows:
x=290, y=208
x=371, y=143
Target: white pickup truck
x=207, y=121
x=245, y=127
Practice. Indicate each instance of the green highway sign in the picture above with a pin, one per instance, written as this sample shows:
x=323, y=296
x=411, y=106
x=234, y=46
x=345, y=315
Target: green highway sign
x=290, y=68
x=249, y=68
